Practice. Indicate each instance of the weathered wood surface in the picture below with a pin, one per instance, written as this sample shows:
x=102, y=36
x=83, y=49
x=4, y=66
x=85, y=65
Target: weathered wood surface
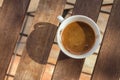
x=108, y=62
x=12, y=14
x=35, y=57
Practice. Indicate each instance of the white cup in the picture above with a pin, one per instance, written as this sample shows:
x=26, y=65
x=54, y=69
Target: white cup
x=75, y=18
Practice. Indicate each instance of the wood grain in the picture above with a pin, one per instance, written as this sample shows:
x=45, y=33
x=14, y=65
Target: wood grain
x=12, y=14
x=32, y=68
x=67, y=68
x=108, y=62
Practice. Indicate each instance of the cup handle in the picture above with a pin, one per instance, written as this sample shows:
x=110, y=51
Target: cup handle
x=60, y=18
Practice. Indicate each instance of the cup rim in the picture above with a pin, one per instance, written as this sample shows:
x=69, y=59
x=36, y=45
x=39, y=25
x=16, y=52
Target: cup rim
x=97, y=34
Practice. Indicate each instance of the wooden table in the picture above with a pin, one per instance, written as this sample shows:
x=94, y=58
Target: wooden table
x=41, y=38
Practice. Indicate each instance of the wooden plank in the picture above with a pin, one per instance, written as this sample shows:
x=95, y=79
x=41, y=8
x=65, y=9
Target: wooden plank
x=1, y=3
x=11, y=18
x=34, y=60
x=106, y=8
x=33, y=5
x=89, y=64
x=84, y=76
x=48, y=72
x=108, y=62
x=13, y=65
x=67, y=68
x=9, y=78
x=107, y=1
x=54, y=53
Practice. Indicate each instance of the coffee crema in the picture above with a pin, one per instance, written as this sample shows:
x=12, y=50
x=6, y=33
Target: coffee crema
x=78, y=37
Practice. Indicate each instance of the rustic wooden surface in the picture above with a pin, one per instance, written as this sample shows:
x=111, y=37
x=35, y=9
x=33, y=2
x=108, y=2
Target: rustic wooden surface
x=108, y=62
x=30, y=69
x=67, y=68
x=89, y=61
x=11, y=17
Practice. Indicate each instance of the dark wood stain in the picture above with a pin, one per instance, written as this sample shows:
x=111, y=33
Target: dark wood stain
x=108, y=62
x=12, y=14
x=32, y=65
x=68, y=68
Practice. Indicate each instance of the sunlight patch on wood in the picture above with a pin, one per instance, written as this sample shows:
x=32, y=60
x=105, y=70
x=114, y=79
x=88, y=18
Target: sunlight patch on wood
x=1, y=3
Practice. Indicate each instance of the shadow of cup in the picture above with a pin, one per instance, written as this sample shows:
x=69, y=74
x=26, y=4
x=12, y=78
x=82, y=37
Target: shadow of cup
x=40, y=41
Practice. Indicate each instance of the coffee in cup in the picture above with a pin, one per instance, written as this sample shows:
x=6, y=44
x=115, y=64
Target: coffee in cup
x=78, y=36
